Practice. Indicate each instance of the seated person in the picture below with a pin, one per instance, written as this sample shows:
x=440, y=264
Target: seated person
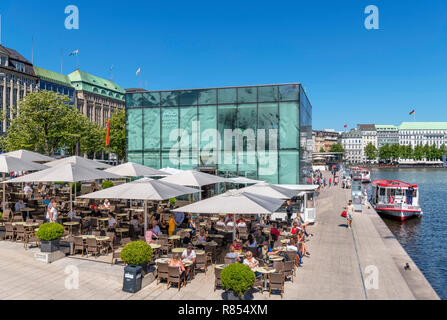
x=155, y=228
x=189, y=255
x=111, y=223
x=230, y=223
x=294, y=229
x=96, y=212
x=251, y=262
x=213, y=229
x=260, y=239
x=107, y=204
x=192, y=226
x=41, y=188
x=46, y=200
x=293, y=248
x=187, y=238
x=267, y=221
x=220, y=223
x=151, y=236
x=241, y=223
x=251, y=242
x=28, y=189
x=233, y=254
x=74, y=213
x=202, y=236
x=19, y=206
x=176, y=262
x=164, y=227
x=94, y=187
x=274, y=232
x=267, y=251
x=236, y=246
x=85, y=224
x=136, y=224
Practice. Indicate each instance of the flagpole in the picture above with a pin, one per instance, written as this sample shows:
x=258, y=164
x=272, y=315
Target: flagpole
x=62, y=61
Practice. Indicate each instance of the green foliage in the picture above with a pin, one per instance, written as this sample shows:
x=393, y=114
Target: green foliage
x=76, y=185
x=172, y=201
x=117, y=134
x=107, y=184
x=136, y=253
x=50, y=231
x=322, y=149
x=371, y=151
x=337, y=148
x=59, y=182
x=237, y=277
x=420, y=152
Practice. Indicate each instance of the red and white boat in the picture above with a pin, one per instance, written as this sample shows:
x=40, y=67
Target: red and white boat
x=361, y=174
x=397, y=199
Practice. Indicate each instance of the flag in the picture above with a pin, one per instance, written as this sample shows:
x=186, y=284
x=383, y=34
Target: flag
x=346, y=125
x=138, y=71
x=108, y=134
x=412, y=112
x=74, y=53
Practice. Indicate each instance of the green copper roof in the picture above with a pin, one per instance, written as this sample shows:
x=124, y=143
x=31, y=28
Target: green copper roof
x=51, y=76
x=87, y=82
x=386, y=127
x=423, y=126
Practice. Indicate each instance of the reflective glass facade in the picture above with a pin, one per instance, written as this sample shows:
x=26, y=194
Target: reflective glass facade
x=260, y=132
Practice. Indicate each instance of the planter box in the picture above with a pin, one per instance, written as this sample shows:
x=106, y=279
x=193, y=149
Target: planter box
x=231, y=295
x=49, y=246
x=49, y=257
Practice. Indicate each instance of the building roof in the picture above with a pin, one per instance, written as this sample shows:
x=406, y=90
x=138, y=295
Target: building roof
x=52, y=76
x=12, y=54
x=367, y=127
x=386, y=127
x=351, y=134
x=87, y=82
x=423, y=126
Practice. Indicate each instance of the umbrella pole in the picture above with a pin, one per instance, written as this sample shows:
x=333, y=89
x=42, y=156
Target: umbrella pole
x=145, y=217
x=4, y=191
x=71, y=196
x=234, y=227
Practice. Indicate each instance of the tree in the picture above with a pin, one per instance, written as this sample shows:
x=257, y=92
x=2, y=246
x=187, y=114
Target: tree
x=337, y=148
x=385, y=152
x=118, y=134
x=322, y=149
x=94, y=139
x=443, y=150
x=46, y=122
x=371, y=151
x=395, y=152
x=418, y=152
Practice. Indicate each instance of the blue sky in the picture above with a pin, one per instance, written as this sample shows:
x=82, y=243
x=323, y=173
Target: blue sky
x=351, y=74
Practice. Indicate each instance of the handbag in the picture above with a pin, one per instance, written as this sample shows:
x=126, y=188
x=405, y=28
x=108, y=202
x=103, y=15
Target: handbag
x=343, y=214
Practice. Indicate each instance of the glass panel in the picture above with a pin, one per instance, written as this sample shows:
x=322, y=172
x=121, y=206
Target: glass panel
x=227, y=95
x=268, y=94
x=134, y=100
x=169, y=128
x=305, y=114
x=170, y=159
x=134, y=129
x=209, y=140
x=268, y=166
x=189, y=136
x=151, y=99
x=247, y=164
x=188, y=98
x=289, y=129
x=226, y=124
x=136, y=157
x=228, y=163
x=151, y=128
x=268, y=122
x=152, y=159
x=169, y=98
x=207, y=96
x=288, y=92
x=288, y=170
x=246, y=116
x=247, y=94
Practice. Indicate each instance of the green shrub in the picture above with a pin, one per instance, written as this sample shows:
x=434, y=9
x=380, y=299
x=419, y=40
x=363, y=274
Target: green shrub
x=237, y=277
x=107, y=184
x=50, y=231
x=59, y=182
x=78, y=187
x=136, y=253
x=172, y=202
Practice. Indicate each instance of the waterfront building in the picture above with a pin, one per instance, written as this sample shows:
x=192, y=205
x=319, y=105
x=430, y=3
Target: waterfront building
x=387, y=134
x=17, y=79
x=369, y=135
x=97, y=98
x=56, y=82
x=324, y=139
x=260, y=132
x=422, y=133
x=352, y=142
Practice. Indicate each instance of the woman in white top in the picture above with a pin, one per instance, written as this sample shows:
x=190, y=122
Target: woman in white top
x=107, y=204
x=52, y=212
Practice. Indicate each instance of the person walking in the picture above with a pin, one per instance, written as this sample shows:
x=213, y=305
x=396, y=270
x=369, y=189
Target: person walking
x=330, y=182
x=350, y=213
x=289, y=211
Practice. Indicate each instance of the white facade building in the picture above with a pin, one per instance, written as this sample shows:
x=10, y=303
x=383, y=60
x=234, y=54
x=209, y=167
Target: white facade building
x=422, y=133
x=352, y=143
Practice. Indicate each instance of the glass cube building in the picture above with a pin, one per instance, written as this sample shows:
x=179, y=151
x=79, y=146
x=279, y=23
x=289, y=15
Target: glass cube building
x=259, y=132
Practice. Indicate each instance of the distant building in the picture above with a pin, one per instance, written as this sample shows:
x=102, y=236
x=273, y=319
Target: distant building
x=369, y=135
x=17, y=79
x=387, y=134
x=97, y=98
x=352, y=143
x=324, y=139
x=422, y=133
x=56, y=82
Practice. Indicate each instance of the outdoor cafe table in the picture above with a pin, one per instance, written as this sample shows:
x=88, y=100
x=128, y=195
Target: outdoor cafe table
x=178, y=250
x=25, y=224
x=265, y=271
x=214, y=219
x=71, y=224
x=121, y=231
x=155, y=245
x=174, y=237
x=221, y=266
x=216, y=236
x=102, y=222
x=276, y=258
x=186, y=230
x=285, y=241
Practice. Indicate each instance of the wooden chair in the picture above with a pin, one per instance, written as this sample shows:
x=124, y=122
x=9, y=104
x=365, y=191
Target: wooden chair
x=174, y=276
x=96, y=233
x=278, y=266
x=93, y=247
x=259, y=283
x=289, y=269
x=201, y=262
x=20, y=232
x=276, y=282
x=217, y=280
x=162, y=272
x=228, y=260
x=79, y=245
x=125, y=241
x=6, y=216
x=109, y=244
x=9, y=231
x=29, y=239
x=40, y=222
x=116, y=255
x=291, y=255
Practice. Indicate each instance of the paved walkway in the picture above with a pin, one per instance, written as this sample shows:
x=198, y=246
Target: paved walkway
x=341, y=259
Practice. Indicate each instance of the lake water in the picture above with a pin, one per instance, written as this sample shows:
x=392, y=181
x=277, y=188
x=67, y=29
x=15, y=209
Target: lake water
x=425, y=240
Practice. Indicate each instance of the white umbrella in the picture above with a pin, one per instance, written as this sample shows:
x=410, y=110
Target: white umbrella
x=243, y=180
x=68, y=172
x=28, y=156
x=143, y=189
x=130, y=169
x=234, y=202
x=10, y=164
x=171, y=170
x=271, y=190
x=79, y=161
x=193, y=178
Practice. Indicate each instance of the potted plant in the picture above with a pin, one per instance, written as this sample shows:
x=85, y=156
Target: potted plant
x=237, y=279
x=137, y=255
x=49, y=235
x=172, y=202
x=107, y=184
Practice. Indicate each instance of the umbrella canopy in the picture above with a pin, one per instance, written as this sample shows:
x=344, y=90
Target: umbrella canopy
x=79, y=161
x=243, y=180
x=269, y=190
x=234, y=202
x=130, y=169
x=299, y=187
x=10, y=164
x=67, y=172
x=193, y=178
x=171, y=170
x=28, y=156
x=143, y=189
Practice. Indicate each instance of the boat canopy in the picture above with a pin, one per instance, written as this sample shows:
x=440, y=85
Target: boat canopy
x=393, y=184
